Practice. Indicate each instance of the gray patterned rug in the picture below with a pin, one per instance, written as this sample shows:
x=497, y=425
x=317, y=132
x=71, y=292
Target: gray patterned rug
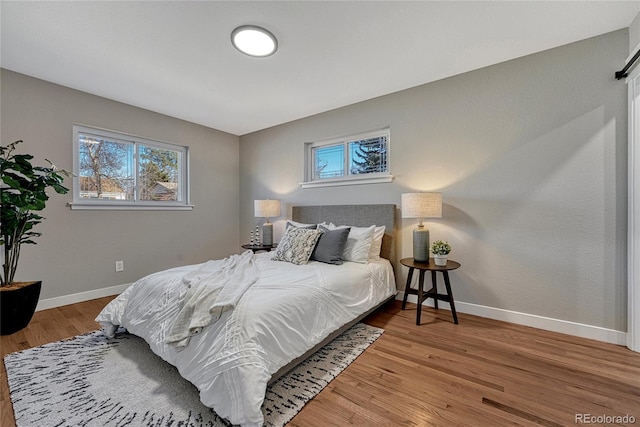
x=92, y=381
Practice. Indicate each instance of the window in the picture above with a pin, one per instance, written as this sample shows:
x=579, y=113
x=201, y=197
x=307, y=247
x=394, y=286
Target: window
x=119, y=171
x=355, y=159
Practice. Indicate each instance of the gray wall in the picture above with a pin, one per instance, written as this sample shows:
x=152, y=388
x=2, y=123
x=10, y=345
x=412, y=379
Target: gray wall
x=77, y=249
x=530, y=156
x=634, y=34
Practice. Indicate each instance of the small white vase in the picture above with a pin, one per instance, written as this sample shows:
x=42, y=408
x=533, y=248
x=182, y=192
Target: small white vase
x=440, y=260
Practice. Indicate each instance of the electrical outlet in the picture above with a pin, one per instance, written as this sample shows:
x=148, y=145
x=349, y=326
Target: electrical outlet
x=119, y=266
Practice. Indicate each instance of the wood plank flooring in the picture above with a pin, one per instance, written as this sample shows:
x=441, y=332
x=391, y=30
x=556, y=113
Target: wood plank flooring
x=478, y=373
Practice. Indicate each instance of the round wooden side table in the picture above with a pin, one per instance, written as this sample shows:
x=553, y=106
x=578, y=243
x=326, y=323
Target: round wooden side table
x=423, y=295
x=258, y=248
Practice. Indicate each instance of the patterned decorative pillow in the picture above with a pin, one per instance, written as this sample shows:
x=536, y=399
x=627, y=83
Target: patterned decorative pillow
x=296, y=245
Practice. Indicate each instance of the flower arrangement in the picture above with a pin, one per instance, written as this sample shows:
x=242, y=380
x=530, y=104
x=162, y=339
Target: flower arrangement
x=440, y=247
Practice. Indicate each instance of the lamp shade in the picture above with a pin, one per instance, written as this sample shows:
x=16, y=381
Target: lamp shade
x=266, y=208
x=422, y=205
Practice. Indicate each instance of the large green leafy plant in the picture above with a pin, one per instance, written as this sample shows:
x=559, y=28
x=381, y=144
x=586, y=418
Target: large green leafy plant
x=22, y=194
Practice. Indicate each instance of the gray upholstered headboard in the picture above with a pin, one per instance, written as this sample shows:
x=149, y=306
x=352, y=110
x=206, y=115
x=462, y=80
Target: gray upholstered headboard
x=356, y=215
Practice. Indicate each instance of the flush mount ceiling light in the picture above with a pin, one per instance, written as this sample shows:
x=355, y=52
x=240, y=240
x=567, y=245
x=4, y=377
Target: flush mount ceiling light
x=254, y=41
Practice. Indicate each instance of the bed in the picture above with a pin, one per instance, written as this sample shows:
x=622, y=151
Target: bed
x=276, y=313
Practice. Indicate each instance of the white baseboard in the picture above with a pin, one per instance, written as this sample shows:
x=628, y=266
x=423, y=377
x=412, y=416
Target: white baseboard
x=45, y=304
x=539, y=322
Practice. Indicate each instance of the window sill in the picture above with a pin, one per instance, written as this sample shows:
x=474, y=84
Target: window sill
x=127, y=207
x=347, y=181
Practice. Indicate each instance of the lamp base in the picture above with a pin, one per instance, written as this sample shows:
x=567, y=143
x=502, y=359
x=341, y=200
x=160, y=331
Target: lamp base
x=267, y=234
x=421, y=244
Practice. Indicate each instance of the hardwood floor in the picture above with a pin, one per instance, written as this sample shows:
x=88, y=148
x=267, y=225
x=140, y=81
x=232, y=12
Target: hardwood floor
x=478, y=373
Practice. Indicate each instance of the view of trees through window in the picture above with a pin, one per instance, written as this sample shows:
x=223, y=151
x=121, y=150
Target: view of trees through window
x=158, y=174
x=122, y=170
x=369, y=155
x=106, y=169
x=329, y=161
x=355, y=157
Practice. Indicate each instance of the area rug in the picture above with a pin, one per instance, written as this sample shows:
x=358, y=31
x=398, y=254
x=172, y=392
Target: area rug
x=90, y=380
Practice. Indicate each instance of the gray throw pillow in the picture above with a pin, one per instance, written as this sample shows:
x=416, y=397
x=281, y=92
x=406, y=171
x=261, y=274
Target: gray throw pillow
x=330, y=246
x=300, y=225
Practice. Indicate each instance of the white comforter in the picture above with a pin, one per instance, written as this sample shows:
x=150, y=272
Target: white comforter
x=287, y=311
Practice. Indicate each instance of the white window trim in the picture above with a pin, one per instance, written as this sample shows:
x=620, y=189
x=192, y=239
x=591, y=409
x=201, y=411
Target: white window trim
x=84, y=204
x=372, y=178
x=378, y=179
x=633, y=218
x=127, y=206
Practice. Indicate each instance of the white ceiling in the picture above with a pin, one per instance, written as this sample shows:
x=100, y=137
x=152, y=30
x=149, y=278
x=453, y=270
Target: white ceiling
x=176, y=57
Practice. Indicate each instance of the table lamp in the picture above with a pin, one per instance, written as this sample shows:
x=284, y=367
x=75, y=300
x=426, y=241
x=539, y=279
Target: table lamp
x=421, y=206
x=266, y=209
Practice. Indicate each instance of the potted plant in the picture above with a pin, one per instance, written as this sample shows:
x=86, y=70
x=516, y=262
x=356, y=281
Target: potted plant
x=22, y=194
x=440, y=250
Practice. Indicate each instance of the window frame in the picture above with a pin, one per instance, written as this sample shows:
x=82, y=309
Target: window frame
x=347, y=179
x=112, y=204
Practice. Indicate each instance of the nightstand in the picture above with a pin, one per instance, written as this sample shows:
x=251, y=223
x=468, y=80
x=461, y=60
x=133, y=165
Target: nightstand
x=423, y=295
x=258, y=248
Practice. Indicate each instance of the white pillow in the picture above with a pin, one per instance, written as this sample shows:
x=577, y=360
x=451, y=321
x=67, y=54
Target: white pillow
x=358, y=243
x=376, y=244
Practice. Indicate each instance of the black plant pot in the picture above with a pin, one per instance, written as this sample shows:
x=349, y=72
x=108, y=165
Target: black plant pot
x=17, y=307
